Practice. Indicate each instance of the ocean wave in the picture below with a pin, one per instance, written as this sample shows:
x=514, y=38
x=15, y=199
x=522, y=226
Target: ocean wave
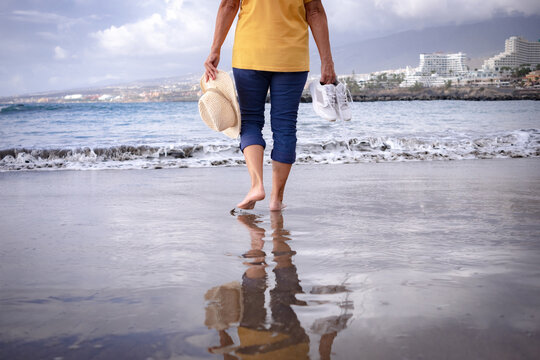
x=515, y=144
x=122, y=157
x=11, y=108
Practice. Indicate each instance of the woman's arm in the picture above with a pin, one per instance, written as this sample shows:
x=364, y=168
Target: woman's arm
x=316, y=18
x=225, y=17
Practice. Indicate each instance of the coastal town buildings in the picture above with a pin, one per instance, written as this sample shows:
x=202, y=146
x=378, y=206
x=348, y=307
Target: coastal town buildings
x=517, y=52
x=443, y=69
x=532, y=79
x=381, y=79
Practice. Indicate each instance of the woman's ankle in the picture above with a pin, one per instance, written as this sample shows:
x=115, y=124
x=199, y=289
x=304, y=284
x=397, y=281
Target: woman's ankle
x=257, y=188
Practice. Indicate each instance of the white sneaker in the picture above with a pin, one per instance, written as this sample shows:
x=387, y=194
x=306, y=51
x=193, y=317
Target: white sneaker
x=344, y=100
x=324, y=100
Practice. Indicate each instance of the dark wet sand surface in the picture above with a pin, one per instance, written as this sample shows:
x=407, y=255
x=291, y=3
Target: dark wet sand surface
x=420, y=260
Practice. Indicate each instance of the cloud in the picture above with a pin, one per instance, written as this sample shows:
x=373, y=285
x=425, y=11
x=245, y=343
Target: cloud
x=63, y=23
x=457, y=10
x=46, y=18
x=59, y=53
x=367, y=17
x=182, y=27
x=38, y=17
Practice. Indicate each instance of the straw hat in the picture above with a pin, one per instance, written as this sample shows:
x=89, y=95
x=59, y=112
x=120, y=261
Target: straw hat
x=225, y=305
x=218, y=105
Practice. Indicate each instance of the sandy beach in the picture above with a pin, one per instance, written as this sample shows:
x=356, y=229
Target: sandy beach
x=423, y=260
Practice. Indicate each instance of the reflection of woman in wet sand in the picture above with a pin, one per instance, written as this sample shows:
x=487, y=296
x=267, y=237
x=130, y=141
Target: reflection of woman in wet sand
x=285, y=338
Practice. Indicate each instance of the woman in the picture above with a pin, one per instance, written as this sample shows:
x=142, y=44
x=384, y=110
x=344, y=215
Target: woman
x=271, y=51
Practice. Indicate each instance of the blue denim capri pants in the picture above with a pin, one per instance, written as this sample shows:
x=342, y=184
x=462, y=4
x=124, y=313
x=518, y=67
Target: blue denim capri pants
x=285, y=92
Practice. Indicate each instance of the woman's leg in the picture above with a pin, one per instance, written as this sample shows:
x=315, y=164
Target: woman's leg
x=280, y=174
x=285, y=92
x=254, y=155
x=252, y=87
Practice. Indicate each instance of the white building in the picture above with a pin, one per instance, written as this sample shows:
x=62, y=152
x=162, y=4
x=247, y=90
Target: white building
x=73, y=97
x=105, y=97
x=442, y=64
x=436, y=69
x=517, y=51
x=424, y=80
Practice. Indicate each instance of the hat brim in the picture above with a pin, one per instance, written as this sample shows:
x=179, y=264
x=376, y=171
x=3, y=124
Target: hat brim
x=224, y=83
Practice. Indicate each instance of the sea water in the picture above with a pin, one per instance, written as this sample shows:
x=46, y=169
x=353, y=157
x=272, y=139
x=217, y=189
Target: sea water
x=171, y=135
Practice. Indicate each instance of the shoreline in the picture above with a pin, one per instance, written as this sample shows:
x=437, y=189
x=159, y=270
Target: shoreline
x=225, y=164
x=464, y=93
x=441, y=93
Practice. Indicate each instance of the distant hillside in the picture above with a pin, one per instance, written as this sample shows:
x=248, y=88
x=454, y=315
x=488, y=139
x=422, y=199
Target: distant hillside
x=480, y=40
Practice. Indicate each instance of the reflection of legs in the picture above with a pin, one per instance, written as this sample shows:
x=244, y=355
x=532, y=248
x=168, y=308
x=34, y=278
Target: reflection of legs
x=225, y=341
x=282, y=251
x=252, y=87
x=285, y=338
x=256, y=256
x=329, y=327
x=285, y=92
x=287, y=286
x=325, y=346
x=254, y=279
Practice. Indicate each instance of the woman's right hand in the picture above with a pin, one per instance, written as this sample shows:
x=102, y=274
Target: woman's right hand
x=211, y=65
x=328, y=74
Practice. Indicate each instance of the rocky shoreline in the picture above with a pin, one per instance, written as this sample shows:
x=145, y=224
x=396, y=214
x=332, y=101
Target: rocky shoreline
x=367, y=95
x=457, y=93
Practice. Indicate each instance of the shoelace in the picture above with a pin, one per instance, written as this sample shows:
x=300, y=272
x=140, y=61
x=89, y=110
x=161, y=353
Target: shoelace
x=331, y=95
x=344, y=97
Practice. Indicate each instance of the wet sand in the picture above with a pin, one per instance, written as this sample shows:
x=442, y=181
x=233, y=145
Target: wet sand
x=431, y=260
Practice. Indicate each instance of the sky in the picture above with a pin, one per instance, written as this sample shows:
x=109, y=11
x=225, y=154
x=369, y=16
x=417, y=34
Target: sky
x=62, y=44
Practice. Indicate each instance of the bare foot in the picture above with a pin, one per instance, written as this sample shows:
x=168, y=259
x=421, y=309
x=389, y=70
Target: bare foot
x=277, y=205
x=254, y=195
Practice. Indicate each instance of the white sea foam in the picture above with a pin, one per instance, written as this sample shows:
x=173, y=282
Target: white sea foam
x=515, y=144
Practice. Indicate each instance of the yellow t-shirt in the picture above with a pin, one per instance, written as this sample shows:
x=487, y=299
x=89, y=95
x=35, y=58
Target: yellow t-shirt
x=272, y=35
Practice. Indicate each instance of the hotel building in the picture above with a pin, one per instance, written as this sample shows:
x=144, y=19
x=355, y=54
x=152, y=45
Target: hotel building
x=435, y=69
x=442, y=64
x=517, y=51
